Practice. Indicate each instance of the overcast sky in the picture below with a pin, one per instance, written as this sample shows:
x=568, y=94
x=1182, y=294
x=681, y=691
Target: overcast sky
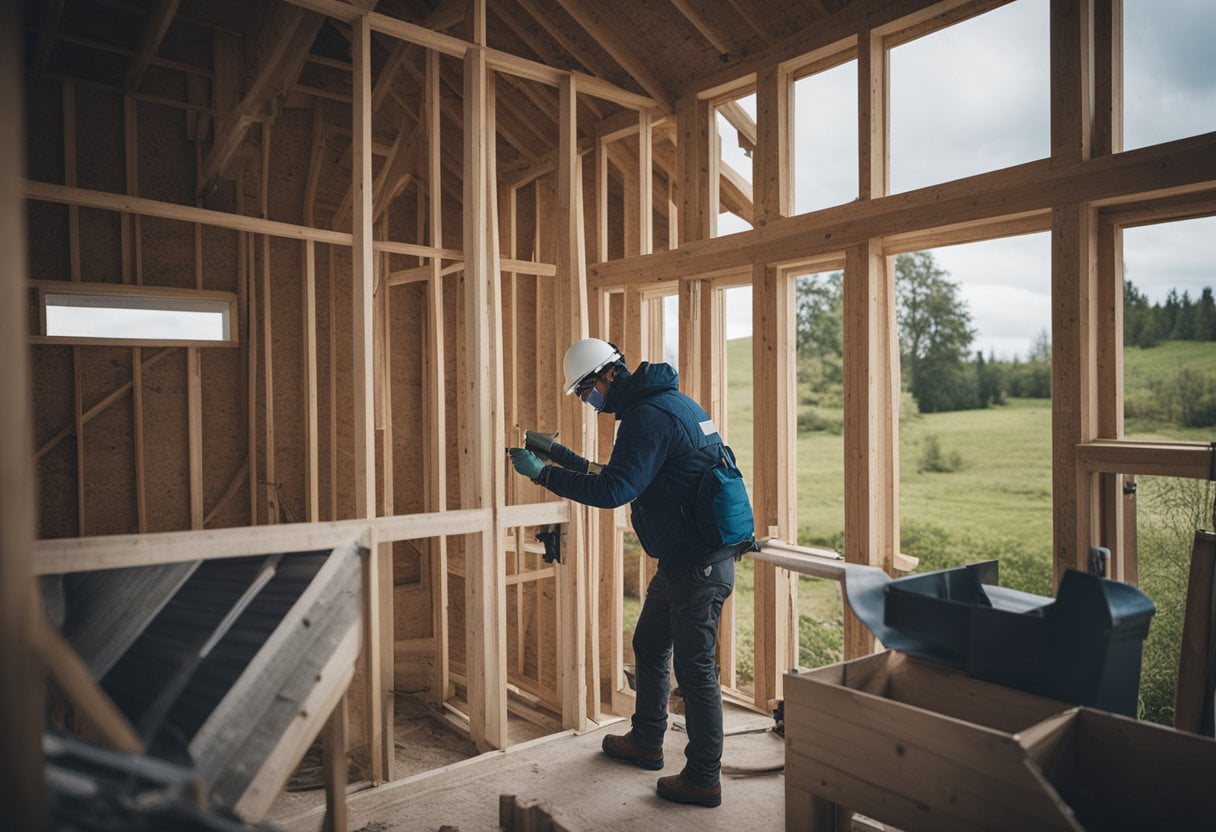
x=975, y=97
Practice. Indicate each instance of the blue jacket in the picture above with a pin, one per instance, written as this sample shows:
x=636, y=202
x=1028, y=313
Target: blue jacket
x=665, y=444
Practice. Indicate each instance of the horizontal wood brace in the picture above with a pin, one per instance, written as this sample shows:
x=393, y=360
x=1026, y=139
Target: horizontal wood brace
x=495, y=59
x=1194, y=460
x=1165, y=170
x=125, y=204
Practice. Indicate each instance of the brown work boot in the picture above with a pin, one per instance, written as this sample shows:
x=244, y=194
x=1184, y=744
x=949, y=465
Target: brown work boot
x=624, y=748
x=677, y=789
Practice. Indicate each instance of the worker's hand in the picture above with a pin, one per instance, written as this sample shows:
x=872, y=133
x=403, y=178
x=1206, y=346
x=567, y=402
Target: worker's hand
x=526, y=462
x=540, y=444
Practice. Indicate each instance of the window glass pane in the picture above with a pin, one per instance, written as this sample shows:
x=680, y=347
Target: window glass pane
x=1169, y=330
x=133, y=317
x=975, y=416
x=972, y=97
x=1169, y=73
x=825, y=138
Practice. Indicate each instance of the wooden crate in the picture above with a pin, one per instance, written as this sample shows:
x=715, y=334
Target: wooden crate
x=924, y=747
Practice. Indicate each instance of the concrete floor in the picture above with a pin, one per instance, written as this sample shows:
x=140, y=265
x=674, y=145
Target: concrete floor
x=585, y=789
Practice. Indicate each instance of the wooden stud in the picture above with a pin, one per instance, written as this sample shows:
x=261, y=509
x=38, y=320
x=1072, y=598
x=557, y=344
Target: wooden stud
x=1108, y=77
x=362, y=378
x=485, y=597
x=774, y=486
x=69, y=168
x=1072, y=77
x=645, y=184
x=871, y=397
x=271, y=492
x=23, y=788
x=312, y=462
x=1109, y=357
x=1073, y=383
x=873, y=157
x=386, y=657
x=773, y=182
x=334, y=768
x=194, y=419
x=436, y=422
x=332, y=359
x=571, y=260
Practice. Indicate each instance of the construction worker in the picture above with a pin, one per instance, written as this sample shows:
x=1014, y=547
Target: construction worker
x=689, y=511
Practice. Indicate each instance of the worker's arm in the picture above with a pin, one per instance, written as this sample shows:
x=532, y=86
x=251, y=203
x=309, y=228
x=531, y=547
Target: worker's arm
x=546, y=446
x=640, y=449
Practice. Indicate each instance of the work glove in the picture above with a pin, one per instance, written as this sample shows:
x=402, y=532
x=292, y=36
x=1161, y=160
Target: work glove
x=526, y=462
x=540, y=444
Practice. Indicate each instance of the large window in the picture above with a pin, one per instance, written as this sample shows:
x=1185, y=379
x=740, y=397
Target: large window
x=1169, y=73
x=825, y=138
x=736, y=121
x=971, y=98
x=975, y=420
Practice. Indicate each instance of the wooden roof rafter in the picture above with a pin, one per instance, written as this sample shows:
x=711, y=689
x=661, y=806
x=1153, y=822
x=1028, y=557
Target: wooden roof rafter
x=51, y=12
x=621, y=50
x=155, y=26
x=291, y=32
x=758, y=22
x=702, y=26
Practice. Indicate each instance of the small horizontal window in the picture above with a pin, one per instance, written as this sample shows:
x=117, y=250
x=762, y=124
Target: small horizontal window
x=135, y=315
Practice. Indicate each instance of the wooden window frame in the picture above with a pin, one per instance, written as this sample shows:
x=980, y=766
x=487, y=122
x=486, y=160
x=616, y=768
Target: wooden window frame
x=174, y=300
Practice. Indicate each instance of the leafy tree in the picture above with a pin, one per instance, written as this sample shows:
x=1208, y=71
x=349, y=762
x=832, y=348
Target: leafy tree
x=820, y=341
x=1205, y=316
x=935, y=334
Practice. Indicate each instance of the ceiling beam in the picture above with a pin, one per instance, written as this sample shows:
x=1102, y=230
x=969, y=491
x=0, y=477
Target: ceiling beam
x=155, y=26
x=621, y=50
x=759, y=23
x=699, y=23
x=738, y=118
x=290, y=32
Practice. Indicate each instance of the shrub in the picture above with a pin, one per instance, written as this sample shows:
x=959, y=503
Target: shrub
x=819, y=642
x=934, y=459
x=811, y=420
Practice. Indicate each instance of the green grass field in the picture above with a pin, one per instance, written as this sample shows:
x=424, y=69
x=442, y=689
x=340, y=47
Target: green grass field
x=997, y=504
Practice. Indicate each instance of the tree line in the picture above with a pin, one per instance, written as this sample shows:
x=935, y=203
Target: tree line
x=939, y=368
x=1178, y=319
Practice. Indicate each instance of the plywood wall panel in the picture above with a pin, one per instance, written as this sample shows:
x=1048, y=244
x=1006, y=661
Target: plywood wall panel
x=408, y=321
x=48, y=241
x=165, y=451
x=99, y=141
x=109, y=495
x=287, y=293
x=100, y=246
x=52, y=404
x=166, y=158
x=168, y=252
x=219, y=259
x=44, y=131
x=224, y=436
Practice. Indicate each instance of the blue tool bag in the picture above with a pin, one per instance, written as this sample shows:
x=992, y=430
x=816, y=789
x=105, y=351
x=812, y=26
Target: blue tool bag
x=723, y=510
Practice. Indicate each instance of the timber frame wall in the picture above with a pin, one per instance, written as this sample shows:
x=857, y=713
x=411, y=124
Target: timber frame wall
x=1084, y=193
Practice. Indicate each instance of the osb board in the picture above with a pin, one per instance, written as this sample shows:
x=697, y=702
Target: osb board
x=224, y=442
x=287, y=359
x=166, y=158
x=109, y=455
x=167, y=248
x=100, y=141
x=166, y=455
x=52, y=401
x=325, y=359
x=44, y=130
x=407, y=346
x=47, y=230
x=100, y=246
x=344, y=361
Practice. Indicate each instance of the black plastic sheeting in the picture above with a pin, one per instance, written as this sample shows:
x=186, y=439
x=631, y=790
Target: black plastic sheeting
x=1084, y=646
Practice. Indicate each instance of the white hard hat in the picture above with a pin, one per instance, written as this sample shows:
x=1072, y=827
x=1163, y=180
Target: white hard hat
x=587, y=357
